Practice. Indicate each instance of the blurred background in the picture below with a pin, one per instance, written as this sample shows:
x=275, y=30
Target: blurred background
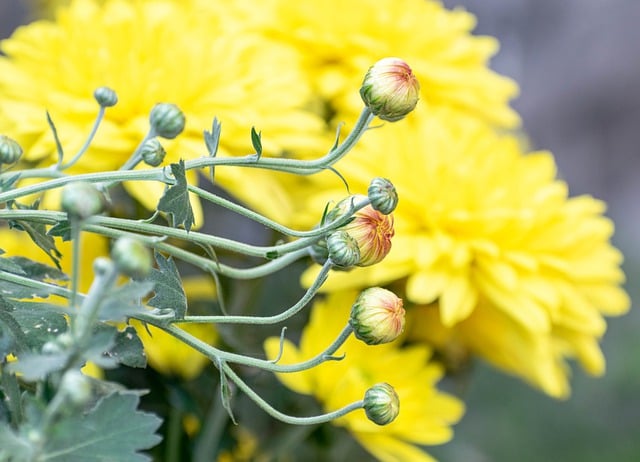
x=578, y=66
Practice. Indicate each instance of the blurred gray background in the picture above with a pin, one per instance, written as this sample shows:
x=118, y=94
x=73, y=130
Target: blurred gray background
x=578, y=66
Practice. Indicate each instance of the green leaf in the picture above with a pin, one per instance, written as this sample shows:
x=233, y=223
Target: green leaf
x=40, y=322
x=169, y=293
x=124, y=301
x=13, y=448
x=256, y=141
x=7, y=183
x=114, y=430
x=39, y=271
x=36, y=367
x=225, y=392
x=212, y=141
x=12, y=339
x=175, y=200
x=103, y=340
x=55, y=137
x=38, y=234
x=61, y=229
x=128, y=349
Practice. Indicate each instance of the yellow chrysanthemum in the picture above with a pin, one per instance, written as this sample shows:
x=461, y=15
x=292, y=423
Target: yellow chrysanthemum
x=201, y=56
x=340, y=40
x=489, y=234
x=425, y=413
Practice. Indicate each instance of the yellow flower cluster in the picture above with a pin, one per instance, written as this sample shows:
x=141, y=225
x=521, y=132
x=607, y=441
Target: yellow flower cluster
x=512, y=269
x=492, y=256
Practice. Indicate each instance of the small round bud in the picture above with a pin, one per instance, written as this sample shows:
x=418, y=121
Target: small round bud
x=105, y=96
x=390, y=89
x=343, y=249
x=371, y=229
x=10, y=150
x=152, y=152
x=167, y=120
x=383, y=195
x=377, y=316
x=76, y=387
x=132, y=258
x=51, y=348
x=381, y=404
x=82, y=200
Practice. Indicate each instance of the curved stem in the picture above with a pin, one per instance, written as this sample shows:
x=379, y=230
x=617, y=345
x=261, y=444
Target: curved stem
x=285, y=417
x=240, y=210
x=256, y=320
x=86, y=144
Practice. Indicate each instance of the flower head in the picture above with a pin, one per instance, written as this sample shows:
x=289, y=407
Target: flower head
x=522, y=273
x=390, y=89
x=371, y=230
x=383, y=195
x=377, y=316
x=427, y=413
x=167, y=120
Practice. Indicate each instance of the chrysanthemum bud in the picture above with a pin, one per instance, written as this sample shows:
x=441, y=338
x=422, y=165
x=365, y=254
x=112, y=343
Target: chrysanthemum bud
x=377, y=316
x=343, y=249
x=381, y=404
x=383, y=195
x=76, y=387
x=152, y=152
x=167, y=120
x=105, y=96
x=81, y=200
x=132, y=258
x=390, y=89
x=10, y=150
x=371, y=229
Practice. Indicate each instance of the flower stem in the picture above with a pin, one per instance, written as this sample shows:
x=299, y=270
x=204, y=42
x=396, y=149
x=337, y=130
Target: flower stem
x=318, y=419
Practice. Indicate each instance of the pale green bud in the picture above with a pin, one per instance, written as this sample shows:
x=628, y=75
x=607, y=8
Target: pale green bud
x=76, y=387
x=132, y=257
x=343, y=249
x=383, y=195
x=81, y=200
x=105, y=96
x=152, y=152
x=10, y=150
x=381, y=404
x=390, y=89
x=167, y=120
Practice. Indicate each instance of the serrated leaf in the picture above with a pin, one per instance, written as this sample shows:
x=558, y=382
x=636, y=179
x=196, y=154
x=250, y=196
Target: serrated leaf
x=103, y=339
x=128, y=349
x=114, y=430
x=36, y=367
x=256, y=141
x=39, y=271
x=39, y=322
x=55, y=137
x=124, y=301
x=175, y=200
x=12, y=339
x=38, y=234
x=8, y=265
x=169, y=293
x=61, y=229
